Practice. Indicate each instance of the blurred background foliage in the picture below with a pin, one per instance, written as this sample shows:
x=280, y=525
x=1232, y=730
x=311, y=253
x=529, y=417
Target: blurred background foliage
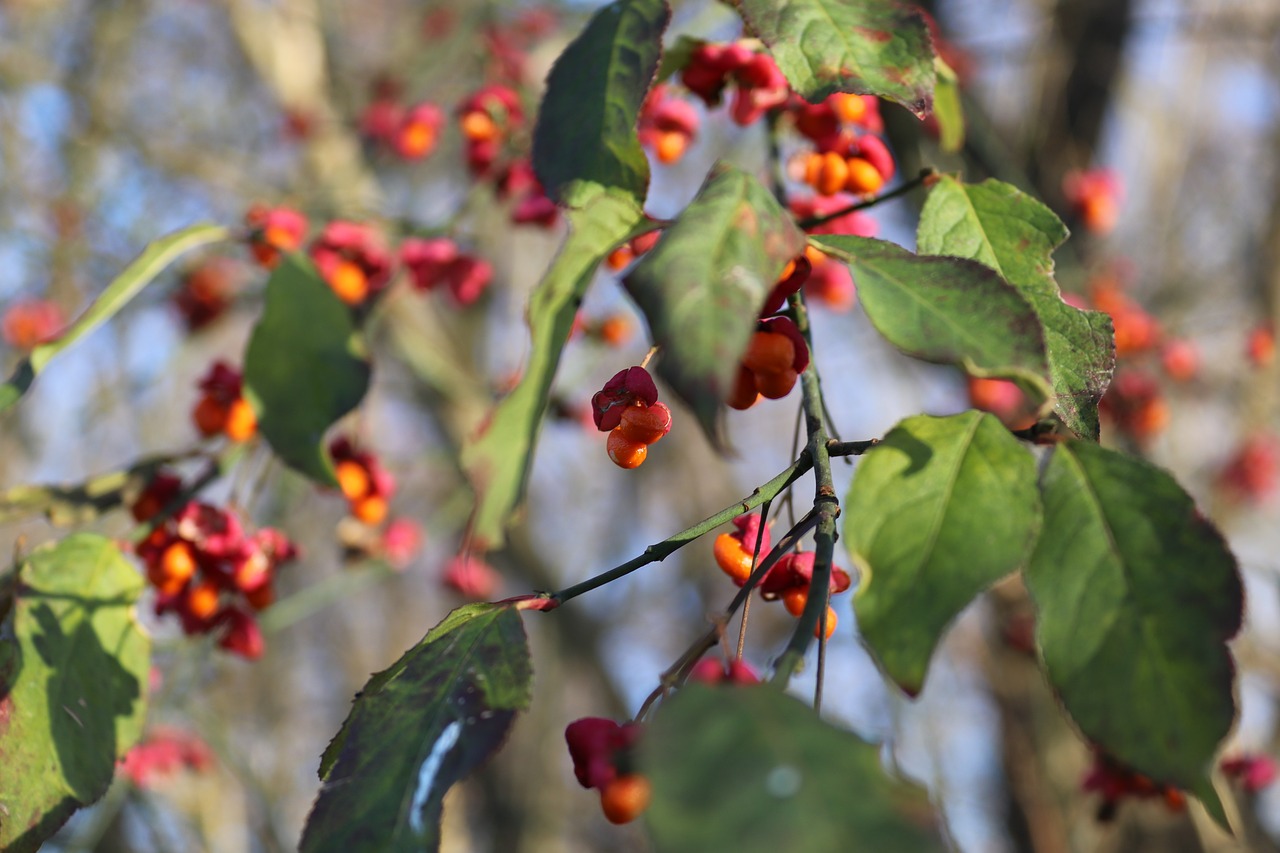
x=121, y=120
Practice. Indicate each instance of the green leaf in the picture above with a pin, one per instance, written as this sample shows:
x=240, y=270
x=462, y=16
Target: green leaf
x=751, y=769
x=871, y=47
x=1136, y=596
x=498, y=461
x=676, y=56
x=586, y=133
x=702, y=286
x=117, y=294
x=937, y=512
x=948, y=112
x=306, y=366
x=73, y=675
x=946, y=310
x=416, y=729
x=997, y=225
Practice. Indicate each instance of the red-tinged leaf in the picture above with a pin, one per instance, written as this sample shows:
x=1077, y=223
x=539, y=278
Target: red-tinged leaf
x=870, y=47
x=416, y=729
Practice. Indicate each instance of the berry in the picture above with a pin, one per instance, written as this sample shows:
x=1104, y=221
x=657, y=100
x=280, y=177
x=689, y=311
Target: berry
x=31, y=322
x=645, y=425
x=624, y=452
x=625, y=797
x=371, y=509
x=863, y=178
x=630, y=387
x=831, y=625
x=176, y=566
x=744, y=394
x=210, y=416
x=353, y=480
x=832, y=174
x=777, y=385
x=1260, y=348
x=242, y=420
x=349, y=282
x=795, y=600
x=202, y=600
x=768, y=352
x=733, y=557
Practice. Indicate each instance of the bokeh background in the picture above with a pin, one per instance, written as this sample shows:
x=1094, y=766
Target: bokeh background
x=121, y=120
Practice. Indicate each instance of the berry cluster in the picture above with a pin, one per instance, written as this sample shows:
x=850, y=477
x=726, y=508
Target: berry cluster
x=758, y=84
x=601, y=752
x=1094, y=196
x=439, y=262
x=207, y=569
x=775, y=357
x=411, y=132
x=1251, y=772
x=1115, y=783
x=162, y=752
x=667, y=124
x=627, y=408
x=622, y=256
x=365, y=484
x=222, y=408
x=353, y=259
x=716, y=671
x=789, y=579
x=829, y=281
x=206, y=292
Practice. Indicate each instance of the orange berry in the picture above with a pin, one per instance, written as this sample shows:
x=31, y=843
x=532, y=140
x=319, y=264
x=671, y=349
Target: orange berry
x=832, y=175
x=795, y=599
x=210, y=416
x=349, y=282
x=812, y=168
x=732, y=557
x=242, y=420
x=624, y=798
x=353, y=479
x=176, y=567
x=624, y=452
x=478, y=126
x=202, y=599
x=769, y=352
x=619, y=258
x=862, y=178
x=814, y=255
x=645, y=425
x=744, y=393
x=850, y=109
x=777, y=385
x=671, y=146
x=615, y=330
x=1260, y=348
x=371, y=509
x=417, y=140
x=831, y=625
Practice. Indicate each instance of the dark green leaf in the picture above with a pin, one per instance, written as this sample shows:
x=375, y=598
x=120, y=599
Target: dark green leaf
x=703, y=285
x=305, y=366
x=871, y=47
x=751, y=769
x=586, y=131
x=117, y=294
x=995, y=224
x=1136, y=595
x=498, y=462
x=416, y=729
x=937, y=512
x=73, y=675
x=946, y=310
